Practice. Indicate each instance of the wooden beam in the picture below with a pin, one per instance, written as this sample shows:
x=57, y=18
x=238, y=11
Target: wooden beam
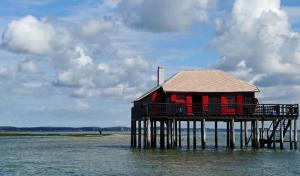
x=188, y=134
x=162, y=134
x=295, y=134
x=139, y=134
x=241, y=135
x=246, y=133
x=216, y=134
x=203, y=134
x=194, y=134
x=179, y=137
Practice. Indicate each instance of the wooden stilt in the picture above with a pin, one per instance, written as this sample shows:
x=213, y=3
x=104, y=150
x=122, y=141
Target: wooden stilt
x=203, y=135
x=257, y=134
x=131, y=133
x=216, y=134
x=227, y=134
x=179, y=137
x=173, y=133
x=281, y=134
x=139, y=134
x=194, y=134
x=188, y=134
x=291, y=134
x=241, y=134
x=151, y=133
x=263, y=129
x=253, y=134
x=168, y=134
x=295, y=134
x=274, y=135
x=162, y=134
x=246, y=133
x=176, y=133
x=154, y=134
x=232, y=134
x=148, y=133
x=145, y=134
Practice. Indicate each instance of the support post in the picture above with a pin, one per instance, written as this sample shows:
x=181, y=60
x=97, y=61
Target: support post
x=232, y=134
x=241, y=134
x=154, y=134
x=203, y=135
x=194, y=134
x=131, y=134
x=281, y=134
x=151, y=133
x=295, y=134
x=168, y=133
x=216, y=134
x=188, y=134
x=291, y=134
x=148, y=133
x=145, y=134
x=173, y=133
x=274, y=133
x=257, y=134
x=246, y=133
x=253, y=133
x=176, y=132
x=162, y=134
x=140, y=134
x=227, y=134
x=179, y=137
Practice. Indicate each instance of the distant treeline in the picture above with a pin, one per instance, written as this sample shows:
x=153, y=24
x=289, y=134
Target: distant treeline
x=61, y=129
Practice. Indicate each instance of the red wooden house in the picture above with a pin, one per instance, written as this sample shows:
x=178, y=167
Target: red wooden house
x=196, y=92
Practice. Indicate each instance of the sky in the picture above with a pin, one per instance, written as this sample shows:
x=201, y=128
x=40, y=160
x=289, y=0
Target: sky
x=82, y=63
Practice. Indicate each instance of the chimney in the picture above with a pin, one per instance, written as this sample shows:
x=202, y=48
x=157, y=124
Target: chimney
x=160, y=75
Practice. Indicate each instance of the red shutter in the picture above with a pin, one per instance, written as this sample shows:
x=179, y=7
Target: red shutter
x=205, y=102
x=189, y=105
x=154, y=97
x=239, y=101
x=224, y=104
x=173, y=98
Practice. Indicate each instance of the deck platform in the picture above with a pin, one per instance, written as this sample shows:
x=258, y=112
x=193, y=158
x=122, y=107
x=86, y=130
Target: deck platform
x=162, y=124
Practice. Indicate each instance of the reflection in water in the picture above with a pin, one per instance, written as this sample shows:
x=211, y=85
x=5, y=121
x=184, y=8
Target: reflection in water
x=113, y=156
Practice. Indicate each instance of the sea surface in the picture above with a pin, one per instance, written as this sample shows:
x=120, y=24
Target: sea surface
x=112, y=155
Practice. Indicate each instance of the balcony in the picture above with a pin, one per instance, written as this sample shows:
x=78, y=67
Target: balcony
x=267, y=111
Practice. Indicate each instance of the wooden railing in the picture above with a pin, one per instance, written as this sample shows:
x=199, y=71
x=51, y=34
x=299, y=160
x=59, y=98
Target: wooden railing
x=184, y=109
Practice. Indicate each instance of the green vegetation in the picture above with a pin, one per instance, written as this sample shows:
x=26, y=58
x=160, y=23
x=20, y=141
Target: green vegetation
x=51, y=134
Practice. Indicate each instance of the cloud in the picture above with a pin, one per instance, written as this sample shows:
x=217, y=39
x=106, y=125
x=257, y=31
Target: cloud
x=165, y=15
x=6, y=72
x=81, y=104
x=30, y=35
x=95, y=27
x=28, y=66
x=257, y=44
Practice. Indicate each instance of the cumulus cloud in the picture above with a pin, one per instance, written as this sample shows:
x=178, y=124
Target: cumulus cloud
x=257, y=43
x=165, y=15
x=31, y=35
x=6, y=72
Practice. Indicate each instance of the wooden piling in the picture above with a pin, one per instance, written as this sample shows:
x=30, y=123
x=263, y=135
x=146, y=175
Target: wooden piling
x=173, y=134
x=291, y=134
x=162, y=134
x=227, y=134
x=232, y=134
x=295, y=134
x=139, y=134
x=131, y=133
x=176, y=133
x=188, y=134
x=148, y=133
x=257, y=134
x=145, y=134
x=168, y=134
x=274, y=135
x=203, y=134
x=241, y=134
x=154, y=134
x=179, y=133
x=281, y=134
x=151, y=133
x=216, y=134
x=194, y=134
x=246, y=133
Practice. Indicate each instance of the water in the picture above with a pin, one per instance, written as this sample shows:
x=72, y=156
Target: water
x=57, y=156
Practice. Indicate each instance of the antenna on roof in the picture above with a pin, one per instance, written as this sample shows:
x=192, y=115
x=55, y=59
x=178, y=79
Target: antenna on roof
x=160, y=75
